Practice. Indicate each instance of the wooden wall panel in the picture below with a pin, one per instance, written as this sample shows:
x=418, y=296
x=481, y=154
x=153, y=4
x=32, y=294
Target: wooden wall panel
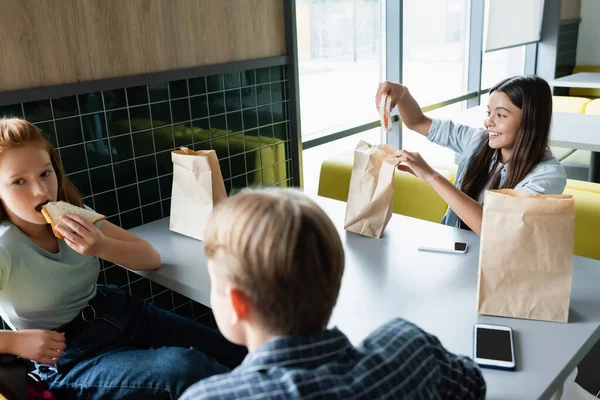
x=570, y=9
x=64, y=41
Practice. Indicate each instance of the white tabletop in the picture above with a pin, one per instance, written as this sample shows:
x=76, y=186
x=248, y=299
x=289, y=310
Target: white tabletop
x=388, y=277
x=570, y=130
x=590, y=80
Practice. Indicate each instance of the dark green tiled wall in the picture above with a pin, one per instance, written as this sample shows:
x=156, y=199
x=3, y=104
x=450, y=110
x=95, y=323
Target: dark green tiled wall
x=116, y=147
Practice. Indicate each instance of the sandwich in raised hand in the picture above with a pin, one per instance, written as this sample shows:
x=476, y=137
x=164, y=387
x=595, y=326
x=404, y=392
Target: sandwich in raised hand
x=385, y=111
x=54, y=210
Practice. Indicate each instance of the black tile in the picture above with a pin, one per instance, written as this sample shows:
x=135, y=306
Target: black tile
x=250, y=117
x=106, y=203
x=114, y=99
x=163, y=138
x=101, y=278
x=181, y=110
x=140, y=118
x=214, y=83
x=137, y=95
x=218, y=122
x=124, y=173
x=122, y=148
x=115, y=220
x=38, y=111
x=90, y=102
x=48, y=132
x=266, y=132
x=116, y=276
x=158, y=92
x=252, y=160
x=197, y=85
x=233, y=100
x=98, y=153
x=228, y=187
x=234, y=121
x=277, y=92
x=117, y=122
x=73, y=158
x=65, y=107
x=183, y=135
x=164, y=300
x=236, y=143
x=185, y=310
x=179, y=299
x=279, y=131
x=166, y=207
x=231, y=80
x=151, y=213
x=161, y=114
x=263, y=94
x=263, y=75
x=149, y=192
x=157, y=288
x=68, y=131
x=248, y=77
x=141, y=289
x=238, y=182
x=278, y=112
x=216, y=103
x=166, y=186
x=221, y=146
x=199, y=106
x=94, y=126
x=265, y=116
x=204, y=145
x=88, y=201
x=128, y=198
x=207, y=320
x=225, y=169
x=199, y=309
x=81, y=180
x=178, y=89
x=11, y=111
x=249, y=97
x=238, y=165
x=131, y=219
x=143, y=143
x=277, y=73
x=201, y=128
x=164, y=163
x=102, y=179
x=146, y=167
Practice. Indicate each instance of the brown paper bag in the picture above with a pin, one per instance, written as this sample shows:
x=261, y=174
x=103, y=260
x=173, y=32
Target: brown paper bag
x=197, y=187
x=371, y=195
x=526, y=255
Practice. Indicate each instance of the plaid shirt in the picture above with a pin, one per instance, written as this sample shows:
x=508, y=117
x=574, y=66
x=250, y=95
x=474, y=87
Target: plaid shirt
x=398, y=361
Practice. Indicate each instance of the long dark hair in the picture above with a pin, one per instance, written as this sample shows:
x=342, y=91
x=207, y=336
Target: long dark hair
x=533, y=96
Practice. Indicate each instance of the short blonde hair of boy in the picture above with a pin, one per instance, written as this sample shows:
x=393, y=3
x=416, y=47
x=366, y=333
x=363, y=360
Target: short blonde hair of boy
x=281, y=250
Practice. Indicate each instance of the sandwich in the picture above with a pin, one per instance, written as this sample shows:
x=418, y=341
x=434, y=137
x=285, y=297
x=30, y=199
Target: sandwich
x=385, y=112
x=54, y=210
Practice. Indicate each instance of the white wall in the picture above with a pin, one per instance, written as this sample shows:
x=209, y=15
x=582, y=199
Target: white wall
x=588, y=43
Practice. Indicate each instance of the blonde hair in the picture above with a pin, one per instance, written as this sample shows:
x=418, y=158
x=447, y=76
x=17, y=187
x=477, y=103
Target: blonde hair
x=282, y=251
x=16, y=133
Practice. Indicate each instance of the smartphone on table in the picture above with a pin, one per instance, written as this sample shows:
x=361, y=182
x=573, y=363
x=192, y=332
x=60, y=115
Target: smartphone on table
x=457, y=247
x=493, y=347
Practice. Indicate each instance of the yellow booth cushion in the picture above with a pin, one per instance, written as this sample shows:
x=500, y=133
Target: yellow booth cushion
x=412, y=197
x=587, y=222
x=568, y=104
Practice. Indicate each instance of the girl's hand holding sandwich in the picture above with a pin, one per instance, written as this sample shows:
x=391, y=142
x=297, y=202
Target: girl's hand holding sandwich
x=81, y=235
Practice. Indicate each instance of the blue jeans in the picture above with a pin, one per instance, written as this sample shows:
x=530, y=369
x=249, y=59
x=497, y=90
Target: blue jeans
x=120, y=347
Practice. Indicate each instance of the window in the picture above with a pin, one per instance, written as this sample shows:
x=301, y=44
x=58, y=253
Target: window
x=501, y=64
x=435, y=49
x=339, y=63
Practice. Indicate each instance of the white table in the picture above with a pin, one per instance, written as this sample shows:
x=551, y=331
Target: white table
x=570, y=130
x=387, y=278
x=590, y=80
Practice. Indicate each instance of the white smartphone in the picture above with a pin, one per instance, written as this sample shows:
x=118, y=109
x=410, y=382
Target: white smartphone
x=458, y=247
x=493, y=347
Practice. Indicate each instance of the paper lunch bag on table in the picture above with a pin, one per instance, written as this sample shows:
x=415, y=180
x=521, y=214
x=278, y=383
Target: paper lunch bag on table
x=371, y=194
x=526, y=255
x=197, y=187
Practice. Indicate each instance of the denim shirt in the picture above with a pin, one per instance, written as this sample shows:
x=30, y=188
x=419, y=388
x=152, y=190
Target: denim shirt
x=548, y=177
